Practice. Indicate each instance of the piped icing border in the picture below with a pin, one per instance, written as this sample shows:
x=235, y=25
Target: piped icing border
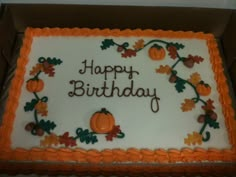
x=116, y=155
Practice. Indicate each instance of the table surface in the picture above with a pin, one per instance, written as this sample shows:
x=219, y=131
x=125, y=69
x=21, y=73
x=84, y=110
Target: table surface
x=33, y=175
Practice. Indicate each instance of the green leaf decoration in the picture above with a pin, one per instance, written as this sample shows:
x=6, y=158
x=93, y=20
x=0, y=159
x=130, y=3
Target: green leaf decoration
x=29, y=106
x=212, y=123
x=86, y=136
x=107, y=43
x=54, y=61
x=177, y=45
x=179, y=85
x=47, y=125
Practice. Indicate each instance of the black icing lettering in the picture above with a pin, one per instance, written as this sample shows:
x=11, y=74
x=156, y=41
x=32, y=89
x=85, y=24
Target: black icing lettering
x=89, y=92
x=155, y=104
x=128, y=90
x=104, y=89
x=78, y=89
x=140, y=92
x=98, y=70
x=130, y=72
x=114, y=90
x=96, y=90
x=117, y=69
x=83, y=71
x=107, y=70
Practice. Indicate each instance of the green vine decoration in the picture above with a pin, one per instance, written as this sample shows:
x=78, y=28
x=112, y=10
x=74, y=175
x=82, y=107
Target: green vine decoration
x=38, y=105
x=157, y=51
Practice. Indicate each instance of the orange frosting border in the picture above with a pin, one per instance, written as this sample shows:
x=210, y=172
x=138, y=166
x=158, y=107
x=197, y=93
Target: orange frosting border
x=93, y=156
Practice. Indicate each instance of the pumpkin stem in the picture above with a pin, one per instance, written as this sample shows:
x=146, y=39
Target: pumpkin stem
x=157, y=46
x=105, y=111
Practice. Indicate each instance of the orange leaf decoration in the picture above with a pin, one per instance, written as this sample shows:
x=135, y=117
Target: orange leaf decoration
x=67, y=140
x=193, y=139
x=113, y=133
x=129, y=53
x=50, y=140
x=38, y=67
x=188, y=105
x=195, y=78
x=139, y=44
x=41, y=108
x=164, y=69
x=209, y=105
x=196, y=59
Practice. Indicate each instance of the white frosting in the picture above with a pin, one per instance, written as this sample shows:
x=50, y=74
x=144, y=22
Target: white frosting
x=143, y=129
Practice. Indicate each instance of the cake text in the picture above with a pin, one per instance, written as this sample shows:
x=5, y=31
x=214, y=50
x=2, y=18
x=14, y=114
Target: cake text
x=116, y=69
x=111, y=89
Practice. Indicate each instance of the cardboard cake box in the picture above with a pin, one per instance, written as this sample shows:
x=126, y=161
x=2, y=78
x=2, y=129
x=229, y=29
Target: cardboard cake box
x=15, y=18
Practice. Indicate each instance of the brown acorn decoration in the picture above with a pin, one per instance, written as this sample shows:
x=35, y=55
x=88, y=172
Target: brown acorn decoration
x=120, y=49
x=201, y=118
x=102, y=121
x=30, y=126
x=188, y=62
x=39, y=131
x=172, y=78
x=34, y=129
x=212, y=115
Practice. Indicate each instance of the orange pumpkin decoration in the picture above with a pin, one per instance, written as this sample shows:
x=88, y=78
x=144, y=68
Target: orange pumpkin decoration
x=156, y=52
x=35, y=85
x=203, y=89
x=102, y=121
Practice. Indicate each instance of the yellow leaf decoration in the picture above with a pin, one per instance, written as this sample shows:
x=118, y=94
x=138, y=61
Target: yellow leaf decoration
x=38, y=67
x=195, y=78
x=193, y=139
x=164, y=69
x=42, y=108
x=188, y=105
x=139, y=44
x=50, y=140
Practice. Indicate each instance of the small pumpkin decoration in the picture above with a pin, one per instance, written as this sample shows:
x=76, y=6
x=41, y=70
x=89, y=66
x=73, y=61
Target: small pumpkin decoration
x=156, y=52
x=35, y=85
x=203, y=89
x=102, y=121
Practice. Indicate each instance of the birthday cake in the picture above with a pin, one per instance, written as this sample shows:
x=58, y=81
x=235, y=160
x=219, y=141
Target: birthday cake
x=92, y=96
